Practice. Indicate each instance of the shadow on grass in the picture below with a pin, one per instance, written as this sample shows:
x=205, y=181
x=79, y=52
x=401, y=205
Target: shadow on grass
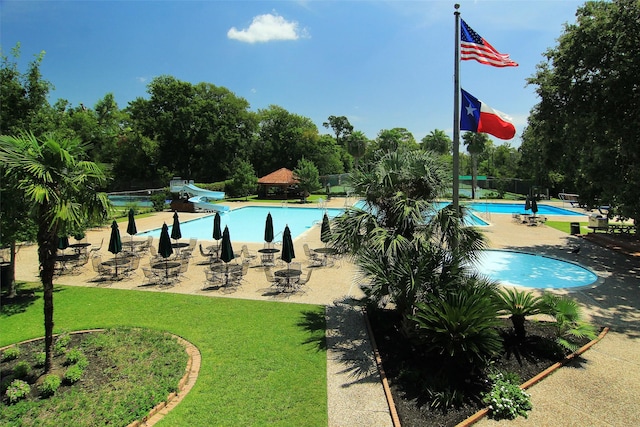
x=314, y=322
x=25, y=296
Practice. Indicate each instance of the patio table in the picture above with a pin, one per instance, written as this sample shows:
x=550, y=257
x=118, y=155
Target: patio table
x=289, y=275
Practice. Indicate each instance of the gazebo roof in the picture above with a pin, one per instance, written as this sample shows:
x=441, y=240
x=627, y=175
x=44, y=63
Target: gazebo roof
x=282, y=176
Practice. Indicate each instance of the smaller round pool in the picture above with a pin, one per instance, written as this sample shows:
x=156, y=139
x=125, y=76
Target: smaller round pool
x=513, y=268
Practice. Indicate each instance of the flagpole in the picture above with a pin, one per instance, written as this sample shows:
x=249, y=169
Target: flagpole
x=456, y=114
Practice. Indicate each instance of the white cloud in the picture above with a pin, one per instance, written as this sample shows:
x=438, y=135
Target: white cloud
x=265, y=28
x=141, y=79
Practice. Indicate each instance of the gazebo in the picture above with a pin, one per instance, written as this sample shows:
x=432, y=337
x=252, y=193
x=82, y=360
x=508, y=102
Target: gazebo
x=280, y=184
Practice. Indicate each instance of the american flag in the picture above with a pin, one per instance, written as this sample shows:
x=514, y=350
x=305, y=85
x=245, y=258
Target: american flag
x=472, y=46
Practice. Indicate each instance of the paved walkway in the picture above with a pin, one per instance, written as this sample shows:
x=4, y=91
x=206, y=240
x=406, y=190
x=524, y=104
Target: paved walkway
x=600, y=389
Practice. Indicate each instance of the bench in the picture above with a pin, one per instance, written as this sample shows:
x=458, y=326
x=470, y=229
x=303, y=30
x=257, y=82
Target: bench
x=614, y=228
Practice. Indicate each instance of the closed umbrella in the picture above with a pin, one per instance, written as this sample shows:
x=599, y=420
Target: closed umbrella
x=288, y=252
x=534, y=206
x=217, y=231
x=63, y=242
x=268, y=229
x=131, y=226
x=325, y=230
x=226, y=254
x=115, y=244
x=175, y=228
x=164, y=247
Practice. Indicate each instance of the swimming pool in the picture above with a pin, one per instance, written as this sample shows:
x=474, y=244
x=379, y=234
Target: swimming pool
x=533, y=271
x=470, y=219
x=142, y=201
x=247, y=224
x=509, y=208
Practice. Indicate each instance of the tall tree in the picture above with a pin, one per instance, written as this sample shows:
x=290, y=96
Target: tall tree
x=193, y=124
x=309, y=178
x=341, y=127
x=63, y=190
x=585, y=126
x=244, y=181
x=395, y=139
x=357, y=144
x=476, y=143
x=437, y=141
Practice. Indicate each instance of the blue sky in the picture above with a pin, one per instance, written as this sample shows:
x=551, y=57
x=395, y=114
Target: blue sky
x=382, y=64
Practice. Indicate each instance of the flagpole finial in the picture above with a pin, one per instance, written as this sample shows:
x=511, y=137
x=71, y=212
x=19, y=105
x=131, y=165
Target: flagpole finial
x=456, y=6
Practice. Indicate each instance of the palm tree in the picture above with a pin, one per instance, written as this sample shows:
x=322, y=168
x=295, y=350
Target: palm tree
x=357, y=146
x=403, y=246
x=476, y=143
x=62, y=188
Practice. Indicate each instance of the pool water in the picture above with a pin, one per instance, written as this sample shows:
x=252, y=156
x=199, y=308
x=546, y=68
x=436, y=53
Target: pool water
x=470, y=219
x=532, y=271
x=509, y=208
x=247, y=224
x=141, y=201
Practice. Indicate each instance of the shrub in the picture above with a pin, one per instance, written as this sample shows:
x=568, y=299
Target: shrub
x=40, y=358
x=518, y=304
x=506, y=399
x=11, y=353
x=17, y=390
x=76, y=357
x=49, y=385
x=569, y=324
x=62, y=342
x=73, y=374
x=460, y=326
x=22, y=369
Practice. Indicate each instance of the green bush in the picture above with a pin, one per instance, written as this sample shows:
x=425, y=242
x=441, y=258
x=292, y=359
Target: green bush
x=159, y=201
x=506, y=399
x=17, y=390
x=22, y=369
x=49, y=385
x=569, y=325
x=73, y=374
x=40, y=358
x=11, y=353
x=74, y=356
x=62, y=341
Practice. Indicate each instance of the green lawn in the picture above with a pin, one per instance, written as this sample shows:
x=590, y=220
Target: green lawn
x=566, y=226
x=263, y=363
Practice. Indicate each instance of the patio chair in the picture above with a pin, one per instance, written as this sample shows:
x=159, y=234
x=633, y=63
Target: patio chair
x=150, y=275
x=314, y=258
x=132, y=266
x=248, y=256
x=213, y=278
x=303, y=281
x=96, y=248
x=274, y=281
x=192, y=243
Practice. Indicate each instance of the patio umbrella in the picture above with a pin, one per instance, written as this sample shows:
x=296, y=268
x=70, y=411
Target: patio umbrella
x=288, y=252
x=131, y=226
x=325, y=230
x=217, y=231
x=527, y=203
x=227, y=250
x=164, y=246
x=534, y=206
x=175, y=228
x=268, y=229
x=115, y=244
x=63, y=242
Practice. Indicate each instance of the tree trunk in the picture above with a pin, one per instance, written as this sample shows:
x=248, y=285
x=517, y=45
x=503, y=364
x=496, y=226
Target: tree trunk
x=11, y=286
x=47, y=249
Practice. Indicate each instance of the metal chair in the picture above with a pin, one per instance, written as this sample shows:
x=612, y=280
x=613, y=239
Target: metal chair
x=314, y=258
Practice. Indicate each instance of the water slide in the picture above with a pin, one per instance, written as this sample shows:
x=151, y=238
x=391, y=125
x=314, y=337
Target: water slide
x=202, y=199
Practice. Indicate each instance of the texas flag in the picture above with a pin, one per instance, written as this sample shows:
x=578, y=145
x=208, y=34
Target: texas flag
x=476, y=116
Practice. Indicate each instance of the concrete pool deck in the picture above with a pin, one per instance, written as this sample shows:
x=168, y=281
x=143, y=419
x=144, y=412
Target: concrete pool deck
x=599, y=388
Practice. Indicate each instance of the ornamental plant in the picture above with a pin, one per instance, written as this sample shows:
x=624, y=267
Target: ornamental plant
x=22, y=369
x=11, y=353
x=73, y=374
x=76, y=357
x=49, y=385
x=506, y=400
x=17, y=390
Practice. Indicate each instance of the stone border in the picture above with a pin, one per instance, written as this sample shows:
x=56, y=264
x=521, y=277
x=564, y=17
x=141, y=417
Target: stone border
x=482, y=412
x=185, y=384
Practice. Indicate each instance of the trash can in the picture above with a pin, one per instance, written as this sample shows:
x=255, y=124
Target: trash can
x=5, y=275
x=575, y=228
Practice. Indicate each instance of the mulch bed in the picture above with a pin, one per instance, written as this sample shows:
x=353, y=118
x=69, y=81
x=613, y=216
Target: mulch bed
x=404, y=365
